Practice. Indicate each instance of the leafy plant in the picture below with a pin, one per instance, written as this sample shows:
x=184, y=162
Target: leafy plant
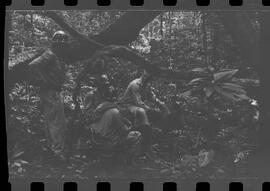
x=221, y=85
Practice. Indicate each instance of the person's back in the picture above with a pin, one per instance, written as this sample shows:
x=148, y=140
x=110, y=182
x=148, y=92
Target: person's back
x=108, y=127
x=132, y=93
x=111, y=132
x=47, y=71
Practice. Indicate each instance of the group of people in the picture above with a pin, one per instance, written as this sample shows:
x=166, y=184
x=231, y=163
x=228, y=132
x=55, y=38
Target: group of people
x=109, y=128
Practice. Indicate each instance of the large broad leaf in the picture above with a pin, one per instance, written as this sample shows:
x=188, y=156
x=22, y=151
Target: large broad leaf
x=227, y=95
x=231, y=95
x=234, y=88
x=198, y=70
x=225, y=75
x=185, y=94
x=243, y=96
x=246, y=82
x=195, y=81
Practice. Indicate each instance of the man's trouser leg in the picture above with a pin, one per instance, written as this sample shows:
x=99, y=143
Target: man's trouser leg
x=55, y=121
x=142, y=124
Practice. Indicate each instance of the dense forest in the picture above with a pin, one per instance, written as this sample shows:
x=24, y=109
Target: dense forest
x=204, y=68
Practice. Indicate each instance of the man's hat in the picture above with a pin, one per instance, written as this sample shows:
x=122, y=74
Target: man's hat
x=60, y=36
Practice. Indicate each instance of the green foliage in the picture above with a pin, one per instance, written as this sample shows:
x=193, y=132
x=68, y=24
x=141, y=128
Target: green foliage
x=222, y=85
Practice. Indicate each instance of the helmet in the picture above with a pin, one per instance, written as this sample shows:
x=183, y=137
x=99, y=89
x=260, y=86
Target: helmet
x=60, y=36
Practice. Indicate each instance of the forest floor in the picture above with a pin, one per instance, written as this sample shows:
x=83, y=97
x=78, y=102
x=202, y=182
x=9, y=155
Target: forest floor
x=159, y=165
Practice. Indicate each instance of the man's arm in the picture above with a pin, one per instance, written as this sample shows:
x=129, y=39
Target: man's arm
x=35, y=71
x=162, y=104
x=138, y=98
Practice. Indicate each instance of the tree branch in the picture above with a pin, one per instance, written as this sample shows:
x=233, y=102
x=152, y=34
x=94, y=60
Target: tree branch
x=127, y=28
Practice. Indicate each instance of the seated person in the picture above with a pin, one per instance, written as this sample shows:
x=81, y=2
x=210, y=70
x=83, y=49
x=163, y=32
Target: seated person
x=112, y=134
x=133, y=100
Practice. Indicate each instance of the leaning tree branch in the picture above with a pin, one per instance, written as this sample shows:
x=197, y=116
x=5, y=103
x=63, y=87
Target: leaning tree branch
x=114, y=35
x=124, y=31
x=127, y=28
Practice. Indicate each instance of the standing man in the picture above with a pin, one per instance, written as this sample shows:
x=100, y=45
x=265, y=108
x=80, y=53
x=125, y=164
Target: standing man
x=48, y=72
x=133, y=100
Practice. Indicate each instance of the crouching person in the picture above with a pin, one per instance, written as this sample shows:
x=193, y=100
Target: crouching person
x=111, y=133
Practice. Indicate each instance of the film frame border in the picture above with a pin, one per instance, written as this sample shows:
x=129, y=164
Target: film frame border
x=138, y=4
x=263, y=6
x=107, y=185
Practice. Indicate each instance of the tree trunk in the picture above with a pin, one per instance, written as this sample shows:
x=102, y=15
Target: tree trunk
x=243, y=34
x=126, y=29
